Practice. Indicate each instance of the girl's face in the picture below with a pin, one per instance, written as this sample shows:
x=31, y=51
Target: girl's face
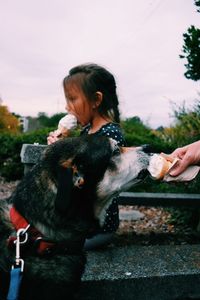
x=78, y=105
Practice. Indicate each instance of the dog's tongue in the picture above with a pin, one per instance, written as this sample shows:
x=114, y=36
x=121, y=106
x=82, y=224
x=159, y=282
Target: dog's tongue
x=189, y=174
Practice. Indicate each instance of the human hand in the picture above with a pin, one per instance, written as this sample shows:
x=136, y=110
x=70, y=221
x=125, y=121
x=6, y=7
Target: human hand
x=188, y=155
x=53, y=137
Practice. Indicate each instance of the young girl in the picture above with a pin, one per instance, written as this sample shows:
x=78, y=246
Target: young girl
x=90, y=92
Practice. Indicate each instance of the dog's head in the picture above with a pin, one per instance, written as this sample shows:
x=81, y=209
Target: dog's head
x=90, y=170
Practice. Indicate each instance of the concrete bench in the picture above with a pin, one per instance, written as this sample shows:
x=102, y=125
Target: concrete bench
x=139, y=272
x=30, y=154
x=143, y=273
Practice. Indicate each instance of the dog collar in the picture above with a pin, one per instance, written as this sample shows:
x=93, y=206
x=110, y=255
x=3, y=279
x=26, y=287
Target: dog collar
x=42, y=245
x=17, y=220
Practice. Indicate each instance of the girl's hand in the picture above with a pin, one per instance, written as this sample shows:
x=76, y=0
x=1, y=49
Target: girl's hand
x=52, y=137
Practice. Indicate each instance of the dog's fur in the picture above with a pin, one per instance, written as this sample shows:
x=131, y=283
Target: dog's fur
x=65, y=197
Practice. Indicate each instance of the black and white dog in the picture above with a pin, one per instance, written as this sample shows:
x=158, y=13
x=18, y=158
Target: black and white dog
x=61, y=200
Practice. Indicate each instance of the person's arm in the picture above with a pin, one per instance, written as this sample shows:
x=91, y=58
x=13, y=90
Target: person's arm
x=188, y=155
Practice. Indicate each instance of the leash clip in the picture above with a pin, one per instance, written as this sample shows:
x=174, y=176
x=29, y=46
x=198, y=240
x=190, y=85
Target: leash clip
x=22, y=237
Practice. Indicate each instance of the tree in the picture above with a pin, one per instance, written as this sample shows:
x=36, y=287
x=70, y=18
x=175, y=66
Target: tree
x=186, y=128
x=191, y=50
x=197, y=3
x=8, y=122
x=52, y=121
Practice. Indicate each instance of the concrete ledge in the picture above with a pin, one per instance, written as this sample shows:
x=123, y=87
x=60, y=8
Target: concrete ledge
x=143, y=273
x=30, y=153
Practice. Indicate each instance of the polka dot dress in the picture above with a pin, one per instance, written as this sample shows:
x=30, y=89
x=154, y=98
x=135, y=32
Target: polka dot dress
x=113, y=131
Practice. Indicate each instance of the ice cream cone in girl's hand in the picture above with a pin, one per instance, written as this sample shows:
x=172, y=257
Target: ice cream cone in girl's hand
x=66, y=124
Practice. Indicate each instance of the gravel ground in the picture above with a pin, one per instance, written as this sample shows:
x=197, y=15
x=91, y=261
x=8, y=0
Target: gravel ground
x=153, y=229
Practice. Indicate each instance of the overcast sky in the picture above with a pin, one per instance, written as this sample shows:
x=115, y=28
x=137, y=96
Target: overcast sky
x=138, y=41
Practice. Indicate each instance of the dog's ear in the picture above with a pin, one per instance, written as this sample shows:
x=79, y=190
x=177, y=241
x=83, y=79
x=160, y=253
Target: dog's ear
x=64, y=190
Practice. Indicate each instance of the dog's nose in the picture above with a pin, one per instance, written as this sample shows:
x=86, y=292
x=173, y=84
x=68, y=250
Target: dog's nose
x=146, y=148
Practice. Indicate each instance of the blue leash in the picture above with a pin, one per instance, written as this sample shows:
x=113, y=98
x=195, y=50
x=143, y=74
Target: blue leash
x=18, y=267
x=15, y=282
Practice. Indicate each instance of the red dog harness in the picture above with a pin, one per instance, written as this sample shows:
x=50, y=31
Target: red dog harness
x=42, y=246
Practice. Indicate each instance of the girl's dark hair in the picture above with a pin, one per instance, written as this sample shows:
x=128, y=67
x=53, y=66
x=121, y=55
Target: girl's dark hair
x=92, y=78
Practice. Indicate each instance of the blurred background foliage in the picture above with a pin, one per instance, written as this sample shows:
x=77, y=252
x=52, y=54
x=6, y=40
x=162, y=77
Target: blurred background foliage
x=8, y=121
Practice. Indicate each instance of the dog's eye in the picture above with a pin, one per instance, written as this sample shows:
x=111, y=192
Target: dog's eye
x=81, y=167
x=116, y=151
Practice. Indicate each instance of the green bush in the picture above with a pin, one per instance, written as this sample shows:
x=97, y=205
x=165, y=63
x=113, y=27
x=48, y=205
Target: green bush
x=153, y=186
x=186, y=128
x=137, y=134
x=188, y=216
x=11, y=167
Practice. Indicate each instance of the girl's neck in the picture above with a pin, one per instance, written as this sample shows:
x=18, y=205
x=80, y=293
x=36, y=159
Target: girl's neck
x=97, y=123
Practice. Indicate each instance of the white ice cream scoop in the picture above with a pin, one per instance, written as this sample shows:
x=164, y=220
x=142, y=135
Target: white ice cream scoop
x=68, y=122
x=160, y=165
